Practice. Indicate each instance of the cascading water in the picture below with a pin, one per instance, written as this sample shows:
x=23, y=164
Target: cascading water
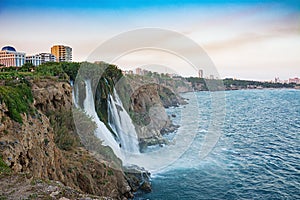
x=121, y=123
x=126, y=145
x=75, y=96
x=119, y=120
x=101, y=132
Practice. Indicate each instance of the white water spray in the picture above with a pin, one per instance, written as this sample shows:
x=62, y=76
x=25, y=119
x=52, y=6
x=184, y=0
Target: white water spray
x=101, y=131
x=121, y=123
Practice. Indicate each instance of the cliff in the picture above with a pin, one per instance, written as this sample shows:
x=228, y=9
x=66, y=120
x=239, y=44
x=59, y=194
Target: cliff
x=38, y=139
x=146, y=100
x=148, y=104
x=42, y=144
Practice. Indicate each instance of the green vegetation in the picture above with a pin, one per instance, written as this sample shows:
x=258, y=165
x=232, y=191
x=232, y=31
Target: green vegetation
x=33, y=196
x=18, y=98
x=141, y=119
x=15, y=91
x=61, y=70
x=64, y=130
x=3, y=167
x=110, y=172
x=46, y=141
x=85, y=129
x=103, y=78
x=3, y=197
x=245, y=83
x=229, y=84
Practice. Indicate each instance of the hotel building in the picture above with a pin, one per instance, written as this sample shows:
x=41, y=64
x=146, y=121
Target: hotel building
x=10, y=57
x=62, y=53
x=47, y=57
x=35, y=60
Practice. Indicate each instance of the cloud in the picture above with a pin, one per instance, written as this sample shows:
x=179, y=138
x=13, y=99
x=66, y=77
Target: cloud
x=252, y=38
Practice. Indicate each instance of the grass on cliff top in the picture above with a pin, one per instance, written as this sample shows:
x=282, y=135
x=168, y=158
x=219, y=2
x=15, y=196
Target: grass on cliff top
x=18, y=98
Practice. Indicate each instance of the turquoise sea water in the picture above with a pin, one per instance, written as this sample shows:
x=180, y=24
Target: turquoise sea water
x=256, y=157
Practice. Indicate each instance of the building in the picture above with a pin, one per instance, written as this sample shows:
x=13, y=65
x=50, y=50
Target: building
x=35, y=60
x=294, y=80
x=145, y=72
x=200, y=73
x=127, y=72
x=62, y=53
x=138, y=71
x=10, y=57
x=47, y=57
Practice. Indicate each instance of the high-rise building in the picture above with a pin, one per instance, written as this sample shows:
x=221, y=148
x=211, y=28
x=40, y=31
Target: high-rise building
x=35, y=60
x=47, y=57
x=62, y=53
x=10, y=57
x=200, y=73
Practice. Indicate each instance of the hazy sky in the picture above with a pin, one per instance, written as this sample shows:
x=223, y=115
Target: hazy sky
x=245, y=39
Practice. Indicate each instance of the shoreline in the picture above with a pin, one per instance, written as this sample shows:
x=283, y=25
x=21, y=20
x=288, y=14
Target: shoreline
x=247, y=89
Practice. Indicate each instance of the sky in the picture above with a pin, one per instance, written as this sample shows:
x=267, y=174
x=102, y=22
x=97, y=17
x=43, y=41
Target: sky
x=246, y=39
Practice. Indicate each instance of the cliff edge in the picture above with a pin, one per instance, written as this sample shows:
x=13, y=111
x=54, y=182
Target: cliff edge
x=42, y=144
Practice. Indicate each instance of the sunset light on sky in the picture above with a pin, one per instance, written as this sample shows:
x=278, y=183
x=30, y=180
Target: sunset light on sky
x=247, y=39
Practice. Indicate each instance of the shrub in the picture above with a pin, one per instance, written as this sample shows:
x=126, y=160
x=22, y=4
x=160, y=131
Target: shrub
x=3, y=167
x=64, y=130
x=18, y=99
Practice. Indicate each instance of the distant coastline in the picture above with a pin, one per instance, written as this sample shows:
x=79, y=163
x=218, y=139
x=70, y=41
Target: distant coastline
x=201, y=84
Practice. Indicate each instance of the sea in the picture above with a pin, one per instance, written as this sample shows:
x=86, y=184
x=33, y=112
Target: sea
x=256, y=153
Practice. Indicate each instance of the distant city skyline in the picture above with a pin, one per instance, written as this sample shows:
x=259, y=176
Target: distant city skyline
x=245, y=39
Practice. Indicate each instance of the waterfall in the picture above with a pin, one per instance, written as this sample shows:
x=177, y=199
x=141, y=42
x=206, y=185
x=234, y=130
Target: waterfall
x=101, y=131
x=119, y=120
x=75, y=96
x=121, y=123
x=125, y=146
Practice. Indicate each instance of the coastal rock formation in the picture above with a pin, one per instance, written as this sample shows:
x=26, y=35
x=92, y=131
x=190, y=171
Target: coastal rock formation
x=31, y=147
x=138, y=178
x=148, y=104
x=53, y=96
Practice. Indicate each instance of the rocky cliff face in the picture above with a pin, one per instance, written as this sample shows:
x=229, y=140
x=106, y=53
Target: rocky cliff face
x=148, y=104
x=31, y=147
x=52, y=96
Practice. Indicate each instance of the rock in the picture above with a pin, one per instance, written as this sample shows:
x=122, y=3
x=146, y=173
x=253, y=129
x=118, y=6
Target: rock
x=52, y=95
x=53, y=194
x=148, y=105
x=63, y=198
x=30, y=147
x=146, y=187
x=138, y=178
x=51, y=189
